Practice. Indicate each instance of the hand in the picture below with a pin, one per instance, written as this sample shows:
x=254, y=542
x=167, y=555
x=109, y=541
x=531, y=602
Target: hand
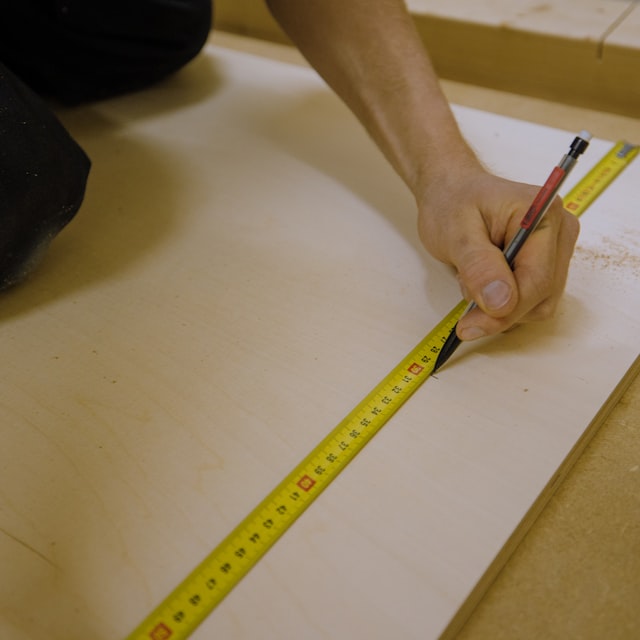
x=467, y=220
x=466, y=215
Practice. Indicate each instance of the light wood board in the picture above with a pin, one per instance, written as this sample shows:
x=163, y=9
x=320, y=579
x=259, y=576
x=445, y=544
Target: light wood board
x=579, y=52
x=245, y=269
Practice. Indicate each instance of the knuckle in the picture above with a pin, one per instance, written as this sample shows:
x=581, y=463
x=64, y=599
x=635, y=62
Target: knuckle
x=473, y=264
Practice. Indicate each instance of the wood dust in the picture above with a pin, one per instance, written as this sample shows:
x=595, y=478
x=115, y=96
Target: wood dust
x=612, y=255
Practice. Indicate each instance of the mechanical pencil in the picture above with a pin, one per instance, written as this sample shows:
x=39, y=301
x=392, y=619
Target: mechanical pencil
x=529, y=222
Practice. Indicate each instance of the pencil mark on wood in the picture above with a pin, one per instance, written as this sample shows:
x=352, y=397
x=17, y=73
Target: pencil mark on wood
x=28, y=547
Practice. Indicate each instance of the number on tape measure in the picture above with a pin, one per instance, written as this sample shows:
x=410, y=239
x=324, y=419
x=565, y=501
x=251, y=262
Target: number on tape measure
x=190, y=603
x=214, y=578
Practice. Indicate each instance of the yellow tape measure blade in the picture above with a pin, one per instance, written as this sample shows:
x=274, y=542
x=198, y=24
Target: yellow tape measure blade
x=599, y=177
x=201, y=592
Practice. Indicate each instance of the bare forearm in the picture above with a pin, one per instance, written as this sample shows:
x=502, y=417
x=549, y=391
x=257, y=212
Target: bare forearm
x=369, y=52
x=372, y=57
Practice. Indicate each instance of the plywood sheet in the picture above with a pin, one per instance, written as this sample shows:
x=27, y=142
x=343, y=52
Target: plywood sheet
x=248, y=17
x=570, y=19
x=626, y=31
x=245, y=269
x=567, y=51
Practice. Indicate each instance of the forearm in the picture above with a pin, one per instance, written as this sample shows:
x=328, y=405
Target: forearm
x=372, y=57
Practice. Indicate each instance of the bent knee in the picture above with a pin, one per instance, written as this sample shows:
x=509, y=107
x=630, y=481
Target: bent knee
x=128, y=46
x=93, y=50
x=43, y=175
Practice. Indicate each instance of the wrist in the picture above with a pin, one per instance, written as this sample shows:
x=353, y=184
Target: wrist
x=449, y=167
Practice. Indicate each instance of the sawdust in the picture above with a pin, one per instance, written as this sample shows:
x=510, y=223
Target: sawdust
x=613, y=254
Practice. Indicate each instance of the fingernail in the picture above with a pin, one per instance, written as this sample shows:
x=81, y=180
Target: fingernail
x=471, y=333
x=496, y=294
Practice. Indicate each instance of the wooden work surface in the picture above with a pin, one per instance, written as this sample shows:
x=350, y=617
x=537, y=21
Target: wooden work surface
x=579, y=52
x=244, y=270
x=576, y=572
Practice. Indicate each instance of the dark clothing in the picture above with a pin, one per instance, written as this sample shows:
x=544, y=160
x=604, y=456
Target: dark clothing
x=72, y=51
x=43, y=173
x=78, y=50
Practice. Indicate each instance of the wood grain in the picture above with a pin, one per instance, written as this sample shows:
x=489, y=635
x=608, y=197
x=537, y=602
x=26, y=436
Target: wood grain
x=547, y=589
x=215, y=310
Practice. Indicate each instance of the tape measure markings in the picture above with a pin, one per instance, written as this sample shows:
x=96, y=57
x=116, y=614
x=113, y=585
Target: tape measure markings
x=192, y=601
x=599, y=177
x=229, y=562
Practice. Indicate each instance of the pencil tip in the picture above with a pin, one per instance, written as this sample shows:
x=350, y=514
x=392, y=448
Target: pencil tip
x=439, y=362
x=437, y=366
x=450, y=345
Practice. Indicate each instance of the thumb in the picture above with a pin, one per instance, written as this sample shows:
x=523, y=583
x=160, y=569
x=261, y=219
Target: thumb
x=486, y=278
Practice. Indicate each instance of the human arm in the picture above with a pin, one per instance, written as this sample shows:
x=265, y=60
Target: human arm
x=372, y=57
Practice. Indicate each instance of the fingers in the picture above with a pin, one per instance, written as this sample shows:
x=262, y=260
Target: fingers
x=486, y=279
x=536, y=280
x=536, y=284
x=468, y=228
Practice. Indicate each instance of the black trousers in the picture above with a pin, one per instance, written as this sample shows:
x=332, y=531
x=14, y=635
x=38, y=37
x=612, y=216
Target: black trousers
x=72, y=51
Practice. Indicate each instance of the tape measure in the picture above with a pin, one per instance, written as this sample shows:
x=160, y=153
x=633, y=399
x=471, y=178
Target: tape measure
x=599, y=177
x=198, y=595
